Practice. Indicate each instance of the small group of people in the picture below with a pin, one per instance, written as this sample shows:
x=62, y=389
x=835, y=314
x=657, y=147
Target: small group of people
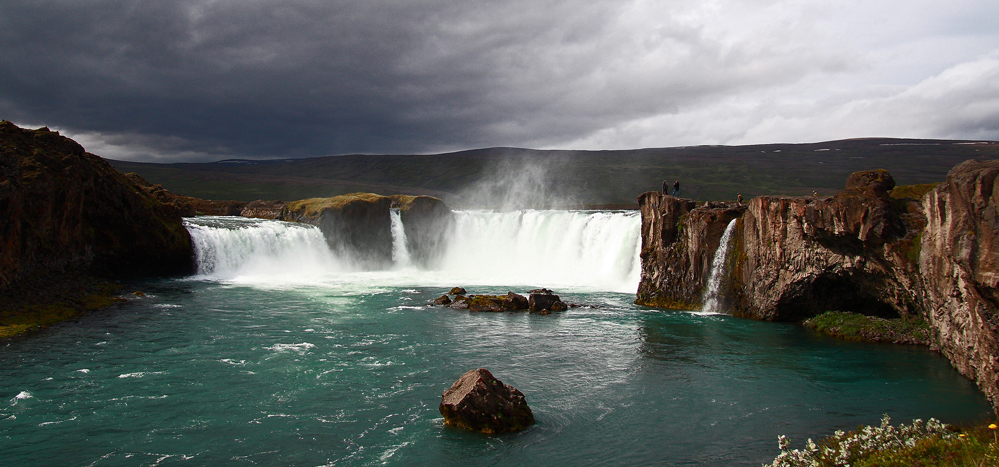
x=676, y=188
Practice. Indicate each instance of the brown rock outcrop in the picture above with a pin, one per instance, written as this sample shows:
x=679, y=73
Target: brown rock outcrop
x=959, y=265
x=358, y=225
x=480, y=402
x=67, y=212
x=262, y=209
x=428, y=224
x=861, y=250
x=678, y=243
x=545, y=302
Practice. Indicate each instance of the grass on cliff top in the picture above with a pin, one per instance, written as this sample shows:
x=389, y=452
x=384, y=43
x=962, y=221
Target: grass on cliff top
x=314, y=206
x=912, y=191
x=858, y=327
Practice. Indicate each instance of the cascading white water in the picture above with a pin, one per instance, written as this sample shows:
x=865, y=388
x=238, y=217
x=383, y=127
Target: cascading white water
x=589, y=250
x=711, y=302
x=237, y=248
x=400, y=253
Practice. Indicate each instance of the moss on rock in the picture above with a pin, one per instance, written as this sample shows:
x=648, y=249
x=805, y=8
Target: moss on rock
x=858, y=327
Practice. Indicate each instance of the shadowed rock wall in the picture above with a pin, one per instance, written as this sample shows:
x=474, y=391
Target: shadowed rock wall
x=65, y=211
x=860, y=250
x=358, y=226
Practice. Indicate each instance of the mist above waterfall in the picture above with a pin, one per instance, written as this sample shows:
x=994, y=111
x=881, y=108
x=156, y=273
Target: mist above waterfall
x=519, y=182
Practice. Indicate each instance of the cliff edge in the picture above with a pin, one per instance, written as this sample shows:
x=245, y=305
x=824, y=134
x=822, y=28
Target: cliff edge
x=358, y=226
x=69, y=217
x=862, y=250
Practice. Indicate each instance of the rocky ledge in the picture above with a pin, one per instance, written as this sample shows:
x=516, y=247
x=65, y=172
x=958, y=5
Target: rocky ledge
x=359, y=226
x=932, y=256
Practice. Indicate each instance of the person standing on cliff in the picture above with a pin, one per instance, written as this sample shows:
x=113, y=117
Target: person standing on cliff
x=665, y=188
x=676, y=188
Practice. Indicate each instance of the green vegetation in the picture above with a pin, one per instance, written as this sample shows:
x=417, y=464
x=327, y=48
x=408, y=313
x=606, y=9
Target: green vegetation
x=578, y=177
x=932, y=444
x=314, y=206
x=46, y=311
x=854, y=326
x=912, y=191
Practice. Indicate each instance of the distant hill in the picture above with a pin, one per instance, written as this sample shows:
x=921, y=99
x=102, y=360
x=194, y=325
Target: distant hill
x=511, y=177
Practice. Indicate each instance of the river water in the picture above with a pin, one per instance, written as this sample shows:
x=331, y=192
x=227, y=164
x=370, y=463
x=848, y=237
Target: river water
x=279, y=353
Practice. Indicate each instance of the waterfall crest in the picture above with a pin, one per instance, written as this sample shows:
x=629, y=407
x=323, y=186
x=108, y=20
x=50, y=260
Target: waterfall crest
x=591, y=250
x=711, y=293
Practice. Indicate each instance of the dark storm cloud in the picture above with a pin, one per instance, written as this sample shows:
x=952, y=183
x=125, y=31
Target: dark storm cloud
x=197, y=80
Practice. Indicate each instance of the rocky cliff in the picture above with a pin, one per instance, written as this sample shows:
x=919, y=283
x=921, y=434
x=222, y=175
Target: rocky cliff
x=861, y=250
x=959, y=265
x=68, y=212
x=358, y=226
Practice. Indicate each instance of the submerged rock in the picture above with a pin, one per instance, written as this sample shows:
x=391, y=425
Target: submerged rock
x=480, y=402
x=515, y=301
x=460, y=302
x=542, y=302
x=442, y=300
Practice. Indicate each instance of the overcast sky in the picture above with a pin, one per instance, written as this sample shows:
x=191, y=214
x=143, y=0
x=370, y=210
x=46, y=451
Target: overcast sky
x=197, y=80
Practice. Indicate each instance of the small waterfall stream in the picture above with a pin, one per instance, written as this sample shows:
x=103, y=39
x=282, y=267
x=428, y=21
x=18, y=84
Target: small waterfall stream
x=710, y=301
x=400, y=253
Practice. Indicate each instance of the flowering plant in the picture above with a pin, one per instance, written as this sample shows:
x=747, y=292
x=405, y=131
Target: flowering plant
x=844, y=449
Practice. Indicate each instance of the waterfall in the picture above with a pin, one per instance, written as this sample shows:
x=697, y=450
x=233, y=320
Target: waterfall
x=587, y=250
x=710, y=300
x=234, y=247
x=593, y=249
x=400, y=253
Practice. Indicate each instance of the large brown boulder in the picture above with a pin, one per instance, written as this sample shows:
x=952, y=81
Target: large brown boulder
x=480, y=402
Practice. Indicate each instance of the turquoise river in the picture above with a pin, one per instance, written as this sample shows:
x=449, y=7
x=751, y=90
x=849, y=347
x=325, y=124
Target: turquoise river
x=278, y=353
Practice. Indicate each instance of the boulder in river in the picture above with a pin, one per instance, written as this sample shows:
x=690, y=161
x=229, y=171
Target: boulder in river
x=442, y=300
x=541, y=302
x=480, y=402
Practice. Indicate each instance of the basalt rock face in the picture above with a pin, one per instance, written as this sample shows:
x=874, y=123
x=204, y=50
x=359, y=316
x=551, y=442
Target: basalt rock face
x=792, y=258
x=798, y=257
x=262, y=209
x=428, y=224
x=480, y=402
x=678, y=244
x=959, y=262
x=358, y=226
x=66, y=211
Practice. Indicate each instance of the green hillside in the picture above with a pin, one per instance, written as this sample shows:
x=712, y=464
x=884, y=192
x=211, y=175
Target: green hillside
x=531, y=178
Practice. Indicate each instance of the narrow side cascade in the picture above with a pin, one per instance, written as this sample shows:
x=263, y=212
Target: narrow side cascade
x=711, y=299
x=400, y=252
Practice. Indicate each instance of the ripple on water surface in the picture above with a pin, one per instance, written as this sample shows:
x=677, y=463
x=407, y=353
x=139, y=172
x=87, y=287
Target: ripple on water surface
x=221, y=374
